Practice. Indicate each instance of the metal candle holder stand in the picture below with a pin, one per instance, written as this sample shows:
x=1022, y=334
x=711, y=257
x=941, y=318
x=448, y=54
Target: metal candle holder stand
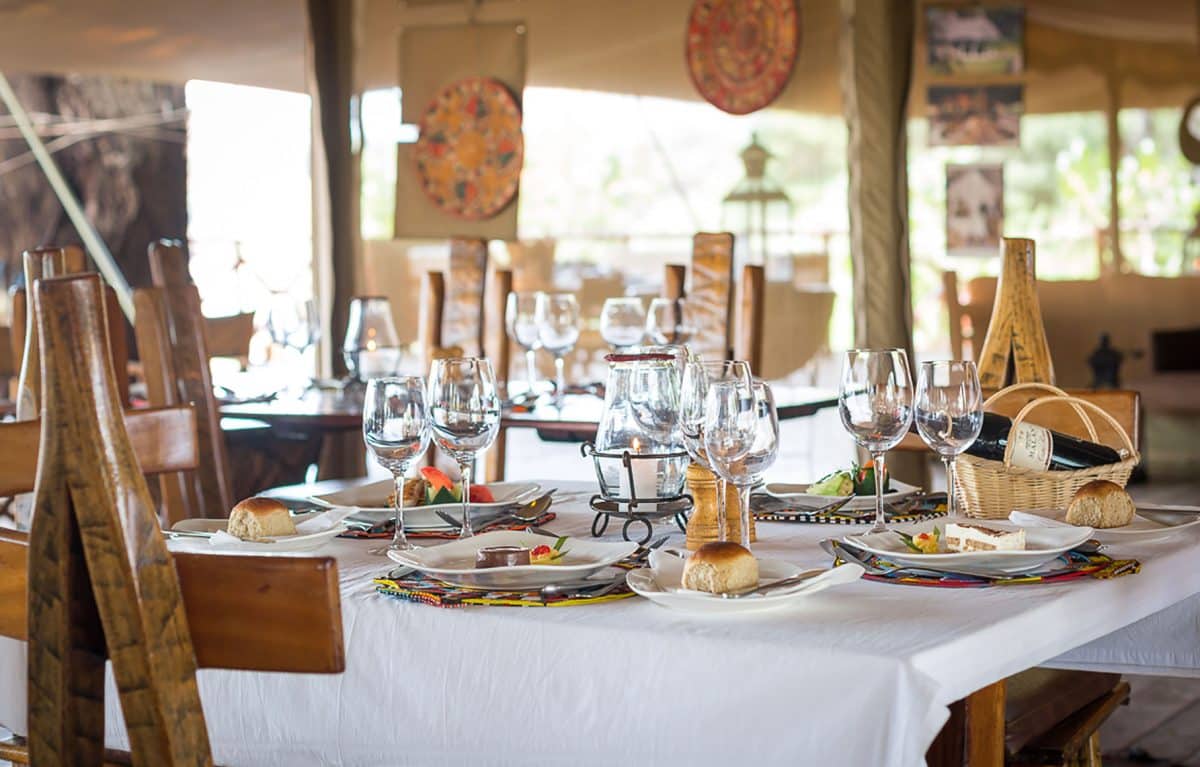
x=609, y=503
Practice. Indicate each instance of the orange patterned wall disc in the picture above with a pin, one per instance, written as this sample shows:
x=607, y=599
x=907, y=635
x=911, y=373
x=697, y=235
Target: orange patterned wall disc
x=469, y=155
x=740, y=53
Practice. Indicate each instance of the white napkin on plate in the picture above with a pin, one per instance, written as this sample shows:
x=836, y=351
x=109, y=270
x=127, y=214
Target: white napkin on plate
x=317, y=523
x=1039, y=518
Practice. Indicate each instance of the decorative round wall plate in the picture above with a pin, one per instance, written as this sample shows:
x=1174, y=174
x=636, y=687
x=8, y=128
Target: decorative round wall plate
x=1189, y=131
x=469, y=154
x=740, y=53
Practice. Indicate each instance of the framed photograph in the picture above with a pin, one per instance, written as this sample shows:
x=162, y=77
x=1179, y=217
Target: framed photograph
x=975, y=40
x=974, y=209
x=975, y=115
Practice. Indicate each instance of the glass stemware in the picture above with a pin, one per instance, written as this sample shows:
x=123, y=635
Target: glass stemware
x=465, y=413
x=622, y=322
x=294, y=324
x=372, y=346
x=520, y=316
x=669, y=321
x=697, y=376
x=949, y=413
x=875, y=403
x=558, y=330
x=741, y=435
x=396, y=430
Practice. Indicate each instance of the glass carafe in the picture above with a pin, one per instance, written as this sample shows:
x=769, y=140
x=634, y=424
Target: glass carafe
x=372, y=346
x=641, y=416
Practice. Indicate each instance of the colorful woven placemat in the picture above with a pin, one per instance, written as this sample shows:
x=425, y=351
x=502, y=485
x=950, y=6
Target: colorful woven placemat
x=384, y=529
x=1073, y=565
x=767, y=508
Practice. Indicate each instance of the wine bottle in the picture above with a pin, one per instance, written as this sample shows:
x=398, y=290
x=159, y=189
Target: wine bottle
x=1036, y=447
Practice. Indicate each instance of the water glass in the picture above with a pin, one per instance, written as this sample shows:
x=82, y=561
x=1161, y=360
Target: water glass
x=465, y=412
x=741, y=436
x=520, y=317
x=876, y=406
x=669, y=321
x=622, y=322
x=396, y=430
x=697, y=376
x=949, y=413
x=558, y=330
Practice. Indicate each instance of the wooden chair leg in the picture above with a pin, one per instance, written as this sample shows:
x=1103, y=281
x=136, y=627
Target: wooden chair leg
x=974, y=734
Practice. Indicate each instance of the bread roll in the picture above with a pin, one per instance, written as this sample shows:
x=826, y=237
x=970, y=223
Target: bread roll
x=720, y=567
x=256, y=518
x=1101, y=504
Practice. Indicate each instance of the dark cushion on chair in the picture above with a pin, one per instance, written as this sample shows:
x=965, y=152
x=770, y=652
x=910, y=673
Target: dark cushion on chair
x=1040, y=698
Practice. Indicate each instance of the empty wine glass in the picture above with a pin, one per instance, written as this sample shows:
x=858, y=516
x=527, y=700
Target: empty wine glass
x=741, y=436
x=396, y=430
x=558, y=330
x=465, y=413
x=520, y=316
x=697, y=376
x=875, y=403
x=622, y=322
x=949, y=412
x=669, y=321
x=294, y=324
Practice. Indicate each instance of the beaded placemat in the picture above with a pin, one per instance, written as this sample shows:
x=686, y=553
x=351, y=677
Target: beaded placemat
x=1070, y=566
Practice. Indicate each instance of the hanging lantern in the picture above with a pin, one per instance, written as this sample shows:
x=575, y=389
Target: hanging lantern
x=759, y=212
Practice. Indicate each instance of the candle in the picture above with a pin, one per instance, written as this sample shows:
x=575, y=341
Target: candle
x=645, y=475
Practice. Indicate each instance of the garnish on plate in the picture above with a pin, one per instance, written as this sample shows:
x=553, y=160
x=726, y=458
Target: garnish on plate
x=923, y=543
x=434, y=487
x=548, y=555
x=857, y=480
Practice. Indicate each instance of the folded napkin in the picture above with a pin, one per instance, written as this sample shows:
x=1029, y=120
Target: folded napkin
x=1039, y=518
x=318, y=523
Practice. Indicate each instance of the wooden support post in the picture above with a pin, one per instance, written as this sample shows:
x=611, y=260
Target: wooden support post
x=674, y=277
x=1116, y=264
x=748, y=344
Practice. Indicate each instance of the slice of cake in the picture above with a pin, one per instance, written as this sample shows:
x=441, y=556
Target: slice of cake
x=967, y=537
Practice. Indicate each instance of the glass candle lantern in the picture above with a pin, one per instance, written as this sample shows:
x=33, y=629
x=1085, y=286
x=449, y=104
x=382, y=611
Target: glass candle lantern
x=372, y=346
x=641, y=419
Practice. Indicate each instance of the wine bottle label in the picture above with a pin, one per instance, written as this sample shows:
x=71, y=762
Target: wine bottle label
x=1031, y=446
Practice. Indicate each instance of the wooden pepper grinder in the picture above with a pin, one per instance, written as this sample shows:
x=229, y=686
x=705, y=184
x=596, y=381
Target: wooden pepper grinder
x=702, y=525
x=1015, y=331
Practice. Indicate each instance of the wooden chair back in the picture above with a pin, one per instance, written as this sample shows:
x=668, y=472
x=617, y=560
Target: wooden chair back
x=230, y=336
x=465, y=288
x=93, y=580
x=752, y=301
x=497, y=347
x=172, y=340
x=955, y=315
x=710, y=293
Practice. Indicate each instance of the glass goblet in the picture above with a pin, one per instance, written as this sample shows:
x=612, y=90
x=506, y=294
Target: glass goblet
x=520, y=317
x=396, y=430
x=741, y=434
x=875, y=403
x=948, y=413
x=622, y=322
x=669, y=321
x=465, y=412
x=558, y=330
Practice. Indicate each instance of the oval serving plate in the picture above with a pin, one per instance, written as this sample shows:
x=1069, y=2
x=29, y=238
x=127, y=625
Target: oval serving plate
x=798, y=494
x=454, y=562
x=370, y=500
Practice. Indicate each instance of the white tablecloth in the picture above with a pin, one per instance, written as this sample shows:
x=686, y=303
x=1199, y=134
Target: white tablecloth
x=859, y=675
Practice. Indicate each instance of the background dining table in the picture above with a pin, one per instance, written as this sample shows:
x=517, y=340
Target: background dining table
x=859, y=675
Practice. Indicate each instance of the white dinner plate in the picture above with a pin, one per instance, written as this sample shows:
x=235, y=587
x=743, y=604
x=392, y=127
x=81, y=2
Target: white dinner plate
x=799, y=495
x=1150, y=523
x=1042, y=545
x=454, y=562
x=370, y=501
x=660, y=584
x=302, y=541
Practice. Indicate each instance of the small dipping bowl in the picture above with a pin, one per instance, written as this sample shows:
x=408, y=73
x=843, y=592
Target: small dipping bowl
x=501, y=556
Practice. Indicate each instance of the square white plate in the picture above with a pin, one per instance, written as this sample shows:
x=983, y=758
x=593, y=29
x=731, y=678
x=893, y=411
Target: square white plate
x=799, y=495
x=454, y=562
x=660, y=584
x=370, y=500
x=1042, y=545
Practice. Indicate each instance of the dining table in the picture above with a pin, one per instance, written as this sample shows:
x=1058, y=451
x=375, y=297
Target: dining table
x=861, y=674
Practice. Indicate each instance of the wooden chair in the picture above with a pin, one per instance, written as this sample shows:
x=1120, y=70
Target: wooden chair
x=751, y=313
x=230, y=336
x=93, y=580
x=172, y=340
x=465, y=288
x=710, y=294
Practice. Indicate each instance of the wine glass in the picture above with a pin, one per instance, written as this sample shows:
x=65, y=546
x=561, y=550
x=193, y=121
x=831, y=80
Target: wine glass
x=520, y=316
x=558, y=330
x=622, y=322
x=465, y=413
x=294, y=324
x=371, y=348
x=396, y=429
x=875, y=403
x=695, y=381
x=949, y=412
x=669, y=321
x=741, y=436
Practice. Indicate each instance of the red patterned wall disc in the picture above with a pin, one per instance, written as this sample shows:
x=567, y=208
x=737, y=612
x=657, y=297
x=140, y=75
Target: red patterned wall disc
x=740, y=53
x=469, y=155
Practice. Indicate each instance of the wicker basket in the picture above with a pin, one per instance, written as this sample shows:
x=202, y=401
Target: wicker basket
x=992, y=489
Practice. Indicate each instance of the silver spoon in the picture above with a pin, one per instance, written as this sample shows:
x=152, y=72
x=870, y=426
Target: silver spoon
x=779, y=584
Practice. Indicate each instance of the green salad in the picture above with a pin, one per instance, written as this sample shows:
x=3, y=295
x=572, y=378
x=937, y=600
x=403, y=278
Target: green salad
x=857, y=480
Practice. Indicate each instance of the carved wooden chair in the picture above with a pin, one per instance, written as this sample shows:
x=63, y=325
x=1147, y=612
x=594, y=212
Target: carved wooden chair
x=93, y=580
x=172, y=341
x=230, y=336
x=710, y=293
